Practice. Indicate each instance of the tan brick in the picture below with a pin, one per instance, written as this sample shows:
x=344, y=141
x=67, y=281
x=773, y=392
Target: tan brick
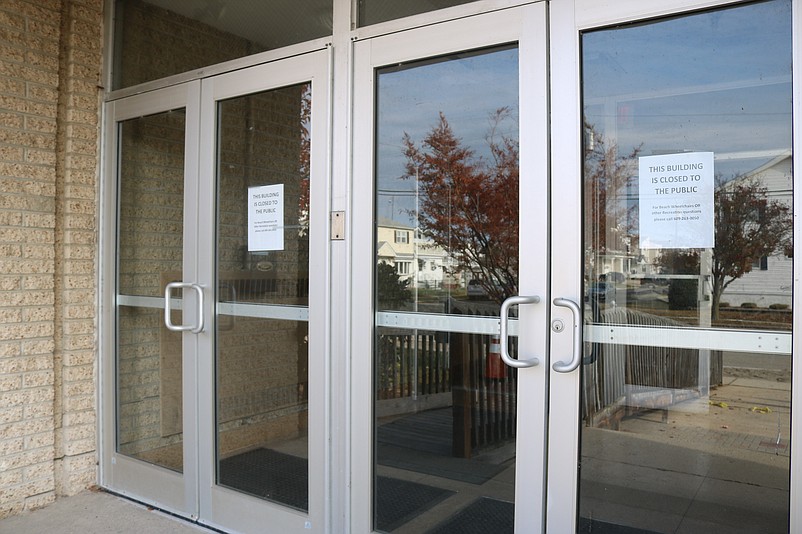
x=11, y=508
x=10, y=414
x=37, y=379
x=10, y=283
x=41, y=500
x=13, y=477
x=79, y=418
x=7, y=349
x=11, y=266
x=40, y=157
x=39, y=314
x=40, y=252
x=82, y=446
x=33, y=282
x=79, y=343
x=24, y=428
x=38, y=363
x=79, y=327
x=10, y=218
x=78, y=402
x=26, y=331
x=42, y=92
x=10, y=382
x=40, y=124
x=37, y=346
x=44, y=409
x=79, y=389
x=9, y=366
x=11, y=251
x=12, y=19
x=36, y=441
x=10, y=86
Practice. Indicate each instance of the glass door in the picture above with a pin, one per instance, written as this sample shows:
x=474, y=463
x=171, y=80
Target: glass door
x=151, y=331
x=449, y=277
x=264, y=183
x=218, y=339
x=680, y=214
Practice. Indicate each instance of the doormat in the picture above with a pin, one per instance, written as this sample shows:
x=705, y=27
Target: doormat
x=480, y=517
x=421, y=442
x=398, y=501
x=268, y=474
x=283, y=478
x=460, y=469
x=594, y=526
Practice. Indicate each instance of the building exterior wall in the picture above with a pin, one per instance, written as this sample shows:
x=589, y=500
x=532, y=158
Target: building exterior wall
x=50, y=59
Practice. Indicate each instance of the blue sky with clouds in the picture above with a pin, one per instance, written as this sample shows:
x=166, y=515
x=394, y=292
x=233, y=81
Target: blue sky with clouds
x=717, y=81
x=467, y=88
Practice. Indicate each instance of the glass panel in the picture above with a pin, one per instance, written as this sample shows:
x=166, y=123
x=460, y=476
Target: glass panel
x=687, y=234
x=149, y=421
x=151, y=203
x=375, y=11
x=150, y=226
x=263, y=291
x=446, y=243
x=205, y=32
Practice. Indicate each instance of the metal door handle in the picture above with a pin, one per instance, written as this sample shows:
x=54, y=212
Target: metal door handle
x=505, y=312
x=168, y=290
x=576, y=359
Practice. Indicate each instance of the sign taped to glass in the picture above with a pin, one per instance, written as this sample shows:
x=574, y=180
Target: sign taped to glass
x=676, y=201
x=266, y=218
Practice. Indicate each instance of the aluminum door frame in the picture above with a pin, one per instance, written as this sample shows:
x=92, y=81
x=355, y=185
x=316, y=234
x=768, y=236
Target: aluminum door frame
x=222, y=507
x=169, y=490
x=526, y=25
x=567, y=19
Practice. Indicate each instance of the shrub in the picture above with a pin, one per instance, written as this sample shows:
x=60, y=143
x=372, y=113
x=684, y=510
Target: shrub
x=778, y=306
x=749, y=305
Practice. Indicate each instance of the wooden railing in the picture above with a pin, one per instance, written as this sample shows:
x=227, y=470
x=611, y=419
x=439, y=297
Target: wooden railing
x=412, y=364
x=619, y=379
x=483, y=399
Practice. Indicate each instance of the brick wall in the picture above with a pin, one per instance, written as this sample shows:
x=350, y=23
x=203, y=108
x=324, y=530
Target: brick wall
x=50, y=57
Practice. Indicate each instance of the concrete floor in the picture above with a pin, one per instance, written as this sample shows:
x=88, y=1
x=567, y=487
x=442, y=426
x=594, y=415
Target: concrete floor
x=97, y=512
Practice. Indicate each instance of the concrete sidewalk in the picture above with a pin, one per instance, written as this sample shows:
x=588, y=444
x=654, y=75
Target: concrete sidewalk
x=97, y=512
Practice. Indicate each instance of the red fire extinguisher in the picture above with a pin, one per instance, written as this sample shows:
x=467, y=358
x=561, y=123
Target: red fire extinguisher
x=494, y=365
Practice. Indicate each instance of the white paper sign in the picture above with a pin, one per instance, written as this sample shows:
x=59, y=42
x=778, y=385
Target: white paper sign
x=266, y=218
x=676, y=201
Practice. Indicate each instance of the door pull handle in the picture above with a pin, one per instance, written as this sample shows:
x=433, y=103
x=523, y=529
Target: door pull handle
x=168, y=291
x=505, y=315
x=576, y=358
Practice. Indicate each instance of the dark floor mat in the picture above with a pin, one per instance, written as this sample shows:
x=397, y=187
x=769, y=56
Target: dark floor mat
x=398, y=501
x=270, y=475
x=421, y=442
x=283, y=478
x=600, y=527
x=462, y=469
x=482, y=516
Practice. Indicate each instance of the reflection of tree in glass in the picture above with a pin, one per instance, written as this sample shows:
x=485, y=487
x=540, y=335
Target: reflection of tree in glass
x=749, y=226
x=393, y=292
x=304, y=162
x=469, y=206
x=613, y=221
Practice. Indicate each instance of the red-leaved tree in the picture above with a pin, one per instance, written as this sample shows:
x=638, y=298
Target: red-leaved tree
x=468, y=205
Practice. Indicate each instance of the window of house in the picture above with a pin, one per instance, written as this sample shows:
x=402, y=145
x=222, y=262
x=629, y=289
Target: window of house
x=401, y=236
x=761, y=264
x=402, y=267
